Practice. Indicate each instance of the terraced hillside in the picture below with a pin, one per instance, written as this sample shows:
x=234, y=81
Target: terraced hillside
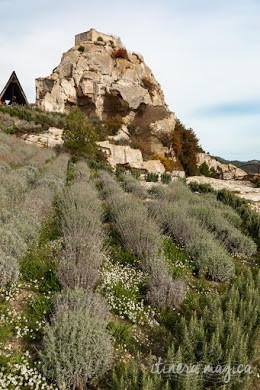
x=105, y=282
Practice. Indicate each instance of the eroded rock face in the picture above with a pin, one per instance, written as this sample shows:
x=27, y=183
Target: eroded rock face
x=50, y=139
x=89, y=76
x=132, y=158
x=225, y=171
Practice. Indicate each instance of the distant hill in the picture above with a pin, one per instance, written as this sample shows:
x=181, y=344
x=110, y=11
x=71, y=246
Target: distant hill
x=252, y=166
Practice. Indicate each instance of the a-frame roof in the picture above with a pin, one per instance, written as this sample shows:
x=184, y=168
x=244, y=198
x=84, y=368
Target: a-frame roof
x=13, y=88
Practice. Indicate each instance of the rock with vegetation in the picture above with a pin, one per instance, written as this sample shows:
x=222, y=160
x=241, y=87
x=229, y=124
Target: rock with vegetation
x=210, y=167
x=104, y=80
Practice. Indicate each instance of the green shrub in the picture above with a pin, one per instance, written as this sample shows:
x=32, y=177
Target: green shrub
x=77, y=348
x=99, y=165
x=79, y=136
x=134, y=376
x=224, y=334
x=179, y=262
x=120, y=255
x=35, y=116
x=152, y=177
x=10, y=129
x=206, y=171
x=51, y=226
x=9, y=269
x=135, y=173
x=41, y=264
x=166, y=178
x=250, y=218
x=123, y=334
x=81, y=49
x=120, y=171
x=201, y=187
x=37, y=310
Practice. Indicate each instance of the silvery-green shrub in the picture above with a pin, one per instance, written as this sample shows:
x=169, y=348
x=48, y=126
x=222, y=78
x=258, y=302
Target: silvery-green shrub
x=199, y=243
x=50, y=181
x=4, y=167
x=131, y=184
x=30, y=173
x=11, y=242
x=81, y=299
x=176, y=190
x=82, y=171
x=4, y=149
x=77, y=345
x=82, y=231
x=9, y=269
x=137, y=231
x=163, y=291
x=213, y=220
x=210, y=255
x=27, y=223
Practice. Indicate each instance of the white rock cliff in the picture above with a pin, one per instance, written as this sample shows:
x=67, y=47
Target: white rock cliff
x=92, y=77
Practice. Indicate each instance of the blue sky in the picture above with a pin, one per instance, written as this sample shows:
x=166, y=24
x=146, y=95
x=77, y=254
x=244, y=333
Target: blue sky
x=206, y=56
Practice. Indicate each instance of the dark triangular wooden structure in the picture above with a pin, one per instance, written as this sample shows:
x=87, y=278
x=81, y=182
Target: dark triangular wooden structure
x=13, y=91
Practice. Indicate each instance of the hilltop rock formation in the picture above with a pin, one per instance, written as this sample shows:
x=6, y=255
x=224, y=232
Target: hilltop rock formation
x=94, y=76
x=98, y=75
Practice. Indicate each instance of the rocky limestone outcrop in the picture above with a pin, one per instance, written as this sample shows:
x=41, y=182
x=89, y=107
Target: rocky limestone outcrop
x=50, y=139
x=118, y=155
x=92, y=77
x=225, y=171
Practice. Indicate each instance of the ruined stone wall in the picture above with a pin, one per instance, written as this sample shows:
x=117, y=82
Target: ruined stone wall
x=94, y=36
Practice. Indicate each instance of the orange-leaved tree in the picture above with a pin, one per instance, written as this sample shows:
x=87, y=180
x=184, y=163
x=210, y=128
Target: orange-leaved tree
x=186, y=146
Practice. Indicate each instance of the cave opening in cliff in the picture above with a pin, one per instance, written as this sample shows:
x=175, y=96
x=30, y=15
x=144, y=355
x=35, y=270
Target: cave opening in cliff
x=86, y=105
x=114, y=105
x=13, y=92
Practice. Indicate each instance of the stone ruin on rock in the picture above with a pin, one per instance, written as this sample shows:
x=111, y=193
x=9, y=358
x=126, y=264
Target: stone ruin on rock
x=103, y=85
x=94, y=36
